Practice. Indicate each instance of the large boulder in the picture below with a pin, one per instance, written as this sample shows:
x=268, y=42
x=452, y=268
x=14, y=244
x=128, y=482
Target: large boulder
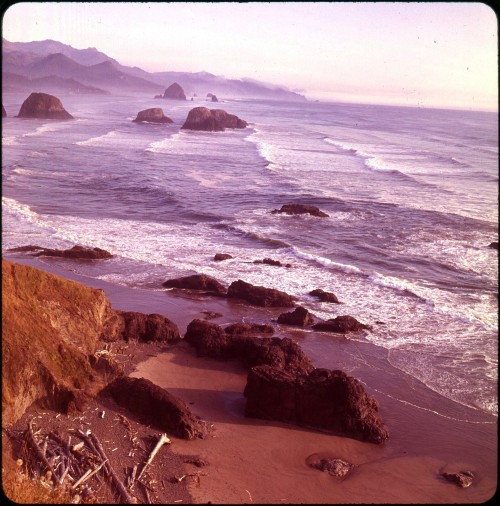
x=213, y=341
x=175, y=91
x=44, y=106
x=341, y=325
x=327, y=400
x=259, y=295
x=156, y=406
x=300, y=316
x=197, y=282
x=153, y=115
x=76, y=252
x=300, y=209
x=324, y=296
x=211, y=120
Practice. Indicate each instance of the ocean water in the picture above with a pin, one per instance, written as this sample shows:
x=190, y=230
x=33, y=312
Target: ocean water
x=411, y=194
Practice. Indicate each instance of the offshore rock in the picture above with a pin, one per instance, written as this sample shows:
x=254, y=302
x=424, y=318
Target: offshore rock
x=299, y=316
x=197, y=282
x=157, y=407
x=219, y=257
x=211, y=120
x=341, y=325
x=153, y=115
x=493, y=244
x=324, y=296
x=270, y=261
x=76, y=252
x=44, y=106
x=4, y=112
x=300, y=209
x=326, y=400
x=214, y=98
x=175, y=91
x=260, y=295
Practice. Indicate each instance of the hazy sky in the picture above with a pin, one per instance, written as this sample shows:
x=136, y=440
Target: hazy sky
x=427, y=54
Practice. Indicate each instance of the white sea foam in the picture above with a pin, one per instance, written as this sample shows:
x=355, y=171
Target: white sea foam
x=164, y=145
x=100, y=140
x=325, y=261
x=10, y=140
x=265, y=150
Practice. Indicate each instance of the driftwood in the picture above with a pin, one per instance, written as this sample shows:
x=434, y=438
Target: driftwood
x=163, y=439
x=38, y=452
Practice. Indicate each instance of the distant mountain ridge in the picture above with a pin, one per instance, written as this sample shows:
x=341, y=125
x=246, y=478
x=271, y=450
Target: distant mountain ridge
x=52, y=66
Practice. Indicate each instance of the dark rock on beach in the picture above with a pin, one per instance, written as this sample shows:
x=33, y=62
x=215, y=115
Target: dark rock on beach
x=300, y=209
x=341, y=325
x=324, y=296
x=130, y=325
x=326, y=400
x=175, y=92
x=333, y=466
x=219, y=257
x=259, y=295
x=156, y=406
x=197, y=282
x=249, y=329
x=299, y=316
x=43, y=106
x=211, y=120
x=462, y=479
x=153, y=115
x=76, y=252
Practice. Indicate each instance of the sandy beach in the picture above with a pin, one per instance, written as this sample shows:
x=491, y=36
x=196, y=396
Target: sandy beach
x=257, y=461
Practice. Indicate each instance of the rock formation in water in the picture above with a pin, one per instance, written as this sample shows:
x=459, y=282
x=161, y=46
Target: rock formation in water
x=43, y=106
x=153, y=115
x=300, y=209
x=324, y=296
x=211, y=120
x=175, y=92
x=4, y=112
x=76, y=252
x=341, y=325
x=300, y=316
x=260, y=295
x=214, y=98
x=197, y=282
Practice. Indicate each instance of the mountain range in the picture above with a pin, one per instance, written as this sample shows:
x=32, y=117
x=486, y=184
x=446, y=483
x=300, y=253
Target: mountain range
x=53, y=67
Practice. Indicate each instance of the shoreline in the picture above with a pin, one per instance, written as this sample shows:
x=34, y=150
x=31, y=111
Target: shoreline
x=252, y=460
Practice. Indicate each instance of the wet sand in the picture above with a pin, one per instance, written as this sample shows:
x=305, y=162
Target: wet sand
x=257, y=461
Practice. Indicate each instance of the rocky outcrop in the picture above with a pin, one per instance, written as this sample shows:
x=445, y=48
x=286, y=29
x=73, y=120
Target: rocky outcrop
x=4, y=112
x=219, y=257
x=214, y=98
x=300, y=209
x=259, y=295
x=76, y=252
x=156, y=406
x=211, y=120
x=341, y=325
x=324, y=296
x=462, y=479
x=300, y=316
x=153, y=115
x=326, y=400
x=130, y=325
x=197, y=282
x=248, y=329
x=213, y=341
x=43, y=106
x=175, y=92
x=270, y=261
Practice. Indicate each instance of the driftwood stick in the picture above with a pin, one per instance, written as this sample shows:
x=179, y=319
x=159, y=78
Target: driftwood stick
x=119, y=485
x=88, y=475
x=161, y=441
x=40, y=455
x=132, y=477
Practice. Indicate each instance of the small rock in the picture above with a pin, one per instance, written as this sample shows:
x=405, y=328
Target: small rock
x=462, y=479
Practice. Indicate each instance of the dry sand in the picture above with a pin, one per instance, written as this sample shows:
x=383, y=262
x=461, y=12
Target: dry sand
x=256, y=461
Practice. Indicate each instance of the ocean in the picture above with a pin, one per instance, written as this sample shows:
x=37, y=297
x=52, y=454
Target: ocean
x=411, y=194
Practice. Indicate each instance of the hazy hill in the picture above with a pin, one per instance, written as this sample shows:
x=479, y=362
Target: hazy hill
x=92, y=69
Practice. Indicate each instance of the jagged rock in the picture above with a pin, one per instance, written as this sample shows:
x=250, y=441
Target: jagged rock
x=270, y=261
x=462, y=479
x=211, y=120
x=153, y=115
x=130, y=325
x=76, y=252
x=156, y=406
x=213, y=341
x=175, y=91
x=326, y=400
x=300, y=209
x=493, y=244
x=260, y=295
x=219, y=257
x=299, y=316
x=341, y=325
x=44, y=106
x=249, y=329
x=197, y=282
x=324, y=296
x=335, y=467
x=4, y=112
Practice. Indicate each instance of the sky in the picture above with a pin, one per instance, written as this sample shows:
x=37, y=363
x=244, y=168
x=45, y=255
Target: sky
x=403, y=53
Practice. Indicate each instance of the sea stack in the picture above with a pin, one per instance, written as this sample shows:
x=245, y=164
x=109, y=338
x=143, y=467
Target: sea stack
x=153, y=115
x=175, y=91
x=211, y=120
x=43, y=106
x=4, y=112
